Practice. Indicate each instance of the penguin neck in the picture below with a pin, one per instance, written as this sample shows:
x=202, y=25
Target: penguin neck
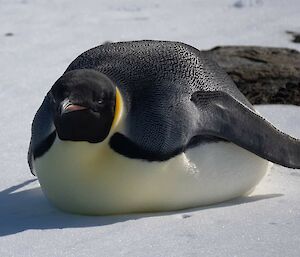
x=119, y=111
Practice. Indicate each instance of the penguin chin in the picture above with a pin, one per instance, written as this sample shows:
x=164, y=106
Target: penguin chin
x=82, y=125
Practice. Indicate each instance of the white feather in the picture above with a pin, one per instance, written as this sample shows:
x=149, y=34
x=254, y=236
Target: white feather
x=92, y=179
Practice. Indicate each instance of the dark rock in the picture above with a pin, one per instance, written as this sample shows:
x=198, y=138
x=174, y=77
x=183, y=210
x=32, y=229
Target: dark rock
x=296, y=36
x=107, y=42
x=263, y=74
x=238, y=4
x=9, y=34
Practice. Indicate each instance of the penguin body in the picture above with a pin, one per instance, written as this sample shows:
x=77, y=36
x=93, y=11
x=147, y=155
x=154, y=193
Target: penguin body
x=76, y=179
x=150, y=126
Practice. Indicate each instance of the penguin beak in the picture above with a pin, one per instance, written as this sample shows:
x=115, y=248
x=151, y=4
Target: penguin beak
x=67, y=106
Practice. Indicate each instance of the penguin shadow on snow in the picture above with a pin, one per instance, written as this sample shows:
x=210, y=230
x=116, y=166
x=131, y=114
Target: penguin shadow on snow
x=29, y=209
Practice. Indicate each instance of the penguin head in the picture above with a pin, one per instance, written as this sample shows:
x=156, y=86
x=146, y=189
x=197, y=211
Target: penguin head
x=84, y=104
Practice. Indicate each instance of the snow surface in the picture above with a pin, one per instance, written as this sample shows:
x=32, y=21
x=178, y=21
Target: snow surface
x=46, y=37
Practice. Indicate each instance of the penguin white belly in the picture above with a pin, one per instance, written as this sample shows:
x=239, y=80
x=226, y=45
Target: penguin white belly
x=93, y=179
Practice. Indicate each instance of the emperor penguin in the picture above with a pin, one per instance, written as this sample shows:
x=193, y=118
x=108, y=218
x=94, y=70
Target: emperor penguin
x=148, y=126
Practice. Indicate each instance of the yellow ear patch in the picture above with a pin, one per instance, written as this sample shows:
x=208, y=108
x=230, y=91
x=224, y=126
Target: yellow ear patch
x=118, y=108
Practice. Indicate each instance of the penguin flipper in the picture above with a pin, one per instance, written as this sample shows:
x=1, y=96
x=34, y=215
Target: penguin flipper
x=223, y=116
x=42, y=132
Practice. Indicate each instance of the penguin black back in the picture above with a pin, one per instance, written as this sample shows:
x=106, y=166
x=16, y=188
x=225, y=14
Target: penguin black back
x=157, y=80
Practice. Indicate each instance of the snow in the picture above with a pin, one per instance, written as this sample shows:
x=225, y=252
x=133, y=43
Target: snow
x=46, y=37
